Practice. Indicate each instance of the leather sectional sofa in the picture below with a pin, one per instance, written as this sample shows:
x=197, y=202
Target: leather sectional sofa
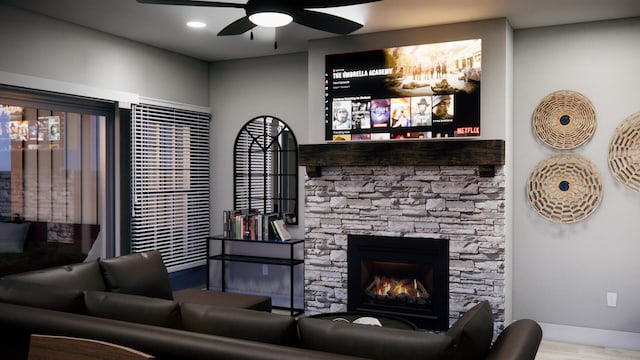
x=128, y=301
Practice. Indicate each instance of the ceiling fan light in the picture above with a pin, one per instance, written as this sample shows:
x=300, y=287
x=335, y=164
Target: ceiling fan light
x=271, y=19
x=196, y=24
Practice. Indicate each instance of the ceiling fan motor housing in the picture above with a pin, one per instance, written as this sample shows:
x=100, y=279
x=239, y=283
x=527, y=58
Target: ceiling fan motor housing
x=280, y=6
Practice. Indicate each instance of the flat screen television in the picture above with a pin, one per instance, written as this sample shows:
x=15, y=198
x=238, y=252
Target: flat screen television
x=411, y=92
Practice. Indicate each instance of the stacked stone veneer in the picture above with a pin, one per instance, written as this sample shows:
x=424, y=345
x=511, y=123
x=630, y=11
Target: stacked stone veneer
x=451, y=203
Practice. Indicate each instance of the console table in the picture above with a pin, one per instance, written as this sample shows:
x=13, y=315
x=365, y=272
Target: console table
x=290, y=261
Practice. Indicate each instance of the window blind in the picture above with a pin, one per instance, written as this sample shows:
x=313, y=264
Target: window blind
x=170, y=184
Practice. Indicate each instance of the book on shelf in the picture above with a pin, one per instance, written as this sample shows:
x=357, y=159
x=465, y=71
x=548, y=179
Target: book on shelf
x=253, y=225
x=281, y=229
x=226, y=223
x=269, y=232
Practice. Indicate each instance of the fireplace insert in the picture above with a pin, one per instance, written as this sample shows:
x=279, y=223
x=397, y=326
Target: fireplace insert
x=405, y=277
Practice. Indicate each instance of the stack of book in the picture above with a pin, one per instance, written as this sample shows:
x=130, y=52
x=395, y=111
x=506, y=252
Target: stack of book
x=253, y=225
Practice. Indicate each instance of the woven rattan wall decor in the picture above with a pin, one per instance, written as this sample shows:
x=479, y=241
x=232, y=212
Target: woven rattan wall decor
x=564, y=119
x=624, y=152
x=564, y=188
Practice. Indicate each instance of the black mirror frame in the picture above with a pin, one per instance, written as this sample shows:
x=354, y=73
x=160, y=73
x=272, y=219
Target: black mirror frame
x=255, y=137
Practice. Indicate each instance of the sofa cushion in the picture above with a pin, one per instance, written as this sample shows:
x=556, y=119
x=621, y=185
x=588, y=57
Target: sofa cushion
x=240, y=323
x=42, y=296
x=12, y=237
x=137, y=274
x=218, y=298
x=133, y=308
x=372, y=342
x=474, y=332
x=84, y=276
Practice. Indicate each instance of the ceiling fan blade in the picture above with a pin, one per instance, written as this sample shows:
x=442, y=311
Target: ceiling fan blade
x=192, y=3
x=317, y=4
x=238, y=27
x=325, y=22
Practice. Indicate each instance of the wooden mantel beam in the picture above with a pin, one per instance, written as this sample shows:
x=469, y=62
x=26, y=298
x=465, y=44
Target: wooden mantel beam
x=450, y=152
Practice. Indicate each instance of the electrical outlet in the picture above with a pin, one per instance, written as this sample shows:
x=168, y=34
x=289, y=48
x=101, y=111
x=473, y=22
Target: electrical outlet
x=265, y=269
x=612, y=299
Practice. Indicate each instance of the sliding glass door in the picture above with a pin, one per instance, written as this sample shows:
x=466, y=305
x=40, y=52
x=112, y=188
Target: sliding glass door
x=52, y=175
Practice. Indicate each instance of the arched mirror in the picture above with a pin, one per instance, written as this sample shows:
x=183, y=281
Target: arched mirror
x=266, y=168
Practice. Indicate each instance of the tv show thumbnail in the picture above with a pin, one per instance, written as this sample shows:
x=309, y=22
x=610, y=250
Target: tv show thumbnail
x=400, y=116
x=360, y=114
x=421, y=111
x=341, y=115
x=380, y=109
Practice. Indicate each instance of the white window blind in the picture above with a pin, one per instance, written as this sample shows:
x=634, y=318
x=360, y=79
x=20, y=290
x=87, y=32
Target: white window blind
x=170, y=184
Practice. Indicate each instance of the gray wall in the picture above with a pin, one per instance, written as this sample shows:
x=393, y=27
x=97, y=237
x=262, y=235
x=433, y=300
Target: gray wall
x=45, y=48
x=563, y=271
x=240, y=91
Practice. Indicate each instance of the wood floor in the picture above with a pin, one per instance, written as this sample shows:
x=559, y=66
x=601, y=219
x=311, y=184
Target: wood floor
x=550, y=350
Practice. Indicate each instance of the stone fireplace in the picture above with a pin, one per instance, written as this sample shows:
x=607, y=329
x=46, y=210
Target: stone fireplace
x=406, y=196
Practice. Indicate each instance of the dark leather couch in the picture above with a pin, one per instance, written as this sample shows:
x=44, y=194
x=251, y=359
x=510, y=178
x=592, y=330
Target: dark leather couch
x=73, y=301
x=136, y=274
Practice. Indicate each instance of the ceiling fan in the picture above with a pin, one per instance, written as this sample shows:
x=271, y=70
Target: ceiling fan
x=280, y=12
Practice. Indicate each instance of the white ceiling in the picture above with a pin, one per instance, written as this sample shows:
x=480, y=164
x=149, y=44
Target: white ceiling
x=163, y=26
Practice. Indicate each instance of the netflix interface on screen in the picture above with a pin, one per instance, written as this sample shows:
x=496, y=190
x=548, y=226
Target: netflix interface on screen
x=411, y=92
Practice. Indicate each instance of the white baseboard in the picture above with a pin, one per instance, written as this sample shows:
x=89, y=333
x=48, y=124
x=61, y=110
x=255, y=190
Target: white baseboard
x=589, y=336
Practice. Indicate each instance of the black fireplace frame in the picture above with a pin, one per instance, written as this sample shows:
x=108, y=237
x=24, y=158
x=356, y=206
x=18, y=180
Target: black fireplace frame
x=434, y=252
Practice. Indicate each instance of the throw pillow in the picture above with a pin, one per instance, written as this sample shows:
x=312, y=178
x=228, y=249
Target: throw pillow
x=138, y=274
x=474, y=332
x=12, y=237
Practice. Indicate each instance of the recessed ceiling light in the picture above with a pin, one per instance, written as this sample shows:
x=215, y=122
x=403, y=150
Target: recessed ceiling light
x=196, y=24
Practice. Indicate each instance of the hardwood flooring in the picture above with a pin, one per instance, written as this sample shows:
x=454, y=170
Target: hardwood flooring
x=550, y=350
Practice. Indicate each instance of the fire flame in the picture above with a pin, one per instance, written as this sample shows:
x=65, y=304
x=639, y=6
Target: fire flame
x=393, y=287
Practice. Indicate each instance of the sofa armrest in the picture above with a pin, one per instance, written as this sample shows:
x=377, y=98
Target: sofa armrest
x=519, y=341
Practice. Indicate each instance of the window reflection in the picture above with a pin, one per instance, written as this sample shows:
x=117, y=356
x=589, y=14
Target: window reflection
x=49, y=176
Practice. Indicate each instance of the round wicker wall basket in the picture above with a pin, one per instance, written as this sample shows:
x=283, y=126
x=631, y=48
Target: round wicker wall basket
x=624, y=152
x=564, y=188
x=564, y=119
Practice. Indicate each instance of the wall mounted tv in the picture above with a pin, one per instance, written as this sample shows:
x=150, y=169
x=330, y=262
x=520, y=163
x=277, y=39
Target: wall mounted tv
x=416, y=92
